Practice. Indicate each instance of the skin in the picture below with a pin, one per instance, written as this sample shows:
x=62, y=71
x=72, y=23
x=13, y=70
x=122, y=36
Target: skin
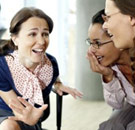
x=22, y=113
x=32, y=41
x=108, y=51
x=33, y=36
x=121, y=27
x=105, y=50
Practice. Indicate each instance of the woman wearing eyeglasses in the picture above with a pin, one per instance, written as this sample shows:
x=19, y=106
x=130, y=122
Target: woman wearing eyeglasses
x=120, y=22
x=114, y=66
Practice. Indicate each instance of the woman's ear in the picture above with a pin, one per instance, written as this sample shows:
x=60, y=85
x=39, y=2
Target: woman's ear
x=132, y=20
x=14, y=39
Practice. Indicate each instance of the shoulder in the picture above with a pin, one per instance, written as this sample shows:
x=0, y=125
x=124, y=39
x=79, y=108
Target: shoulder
x=52, y=59
x=4, y=69
x=50, y=56
x=54, y=63
x=5, y=77
x=2, y=61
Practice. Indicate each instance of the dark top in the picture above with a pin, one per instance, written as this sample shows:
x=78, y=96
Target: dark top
x=7, y=83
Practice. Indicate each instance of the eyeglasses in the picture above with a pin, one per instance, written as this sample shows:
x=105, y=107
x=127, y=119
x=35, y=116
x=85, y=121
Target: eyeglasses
x=107, y=17
x=96, y=44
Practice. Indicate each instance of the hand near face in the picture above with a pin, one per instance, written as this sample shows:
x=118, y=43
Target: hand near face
x=25, y=112
x=60, y=88
x=97, y=67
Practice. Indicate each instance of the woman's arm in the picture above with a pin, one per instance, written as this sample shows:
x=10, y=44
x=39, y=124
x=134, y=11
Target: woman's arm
x=7, y=96
x=113, y=91
x=114, y=94
x=22, y=110
x=60, y=88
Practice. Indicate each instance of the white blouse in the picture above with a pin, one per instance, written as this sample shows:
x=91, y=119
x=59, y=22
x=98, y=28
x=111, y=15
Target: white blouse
x=118, y=90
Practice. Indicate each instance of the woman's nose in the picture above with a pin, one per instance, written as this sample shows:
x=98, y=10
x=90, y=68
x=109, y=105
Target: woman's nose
x=105, y=25
x=41, y=40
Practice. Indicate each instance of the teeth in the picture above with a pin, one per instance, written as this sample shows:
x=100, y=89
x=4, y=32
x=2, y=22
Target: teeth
x=99, y=58
x=38, y=50
x=110, y=34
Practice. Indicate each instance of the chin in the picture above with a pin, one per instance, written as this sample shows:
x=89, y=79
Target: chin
x=118, y=45
x=123, y=44
x=107, y=63
x=104, y=64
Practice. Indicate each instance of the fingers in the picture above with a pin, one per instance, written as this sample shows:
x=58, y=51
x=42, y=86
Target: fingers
x=13, y=118
x=78, y=93
x=19, y=105
x=16, y=108
x=93, y=62
x=60, y=92
x=43, y=107
x=24, y=102
x=75, y=93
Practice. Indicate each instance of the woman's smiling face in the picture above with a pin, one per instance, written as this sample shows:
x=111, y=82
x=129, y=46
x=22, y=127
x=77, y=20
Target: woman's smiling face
x=120, y=26
x=32, y=40
x=106, y=54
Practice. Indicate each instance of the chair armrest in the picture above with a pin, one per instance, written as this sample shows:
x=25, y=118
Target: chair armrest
x=59, y=108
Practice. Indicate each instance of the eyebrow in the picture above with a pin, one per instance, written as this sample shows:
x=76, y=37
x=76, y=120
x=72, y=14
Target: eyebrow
x=45, y=29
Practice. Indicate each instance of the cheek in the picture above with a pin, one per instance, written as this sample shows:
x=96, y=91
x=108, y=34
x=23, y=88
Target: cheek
x=110, y=57
x=123, y=39
x=114, y=57
x=47, y=43
x=24, y=46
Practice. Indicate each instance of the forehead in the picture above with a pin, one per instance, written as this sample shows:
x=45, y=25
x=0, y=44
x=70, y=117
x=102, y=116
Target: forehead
x=96, y=31
x=95, y=28
x=34, y=22
x=110, y=7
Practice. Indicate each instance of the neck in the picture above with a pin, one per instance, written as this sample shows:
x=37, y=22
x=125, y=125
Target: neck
x=124, y=58
x=28, y=64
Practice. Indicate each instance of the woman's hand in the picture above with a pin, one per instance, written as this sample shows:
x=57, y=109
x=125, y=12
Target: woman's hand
x=25, y=112
x=95, y=66
x=60, y=88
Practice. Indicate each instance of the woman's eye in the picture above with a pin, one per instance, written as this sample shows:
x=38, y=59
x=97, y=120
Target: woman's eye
x=32, y=34
x=45, y=34
x=98, y=42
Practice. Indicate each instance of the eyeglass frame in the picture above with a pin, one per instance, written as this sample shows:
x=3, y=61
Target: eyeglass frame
x=107, y=17
x=97, y=46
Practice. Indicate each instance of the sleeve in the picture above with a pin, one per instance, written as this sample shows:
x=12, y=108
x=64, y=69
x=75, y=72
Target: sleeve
x=4, y=77
x=55, y=67
x=55, y=75
x=114, y=94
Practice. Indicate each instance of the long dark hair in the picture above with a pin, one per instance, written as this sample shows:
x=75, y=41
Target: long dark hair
x=5, y=47
x=20, y=17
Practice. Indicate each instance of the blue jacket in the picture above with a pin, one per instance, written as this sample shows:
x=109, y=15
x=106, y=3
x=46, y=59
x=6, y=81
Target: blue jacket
x=7, y=83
